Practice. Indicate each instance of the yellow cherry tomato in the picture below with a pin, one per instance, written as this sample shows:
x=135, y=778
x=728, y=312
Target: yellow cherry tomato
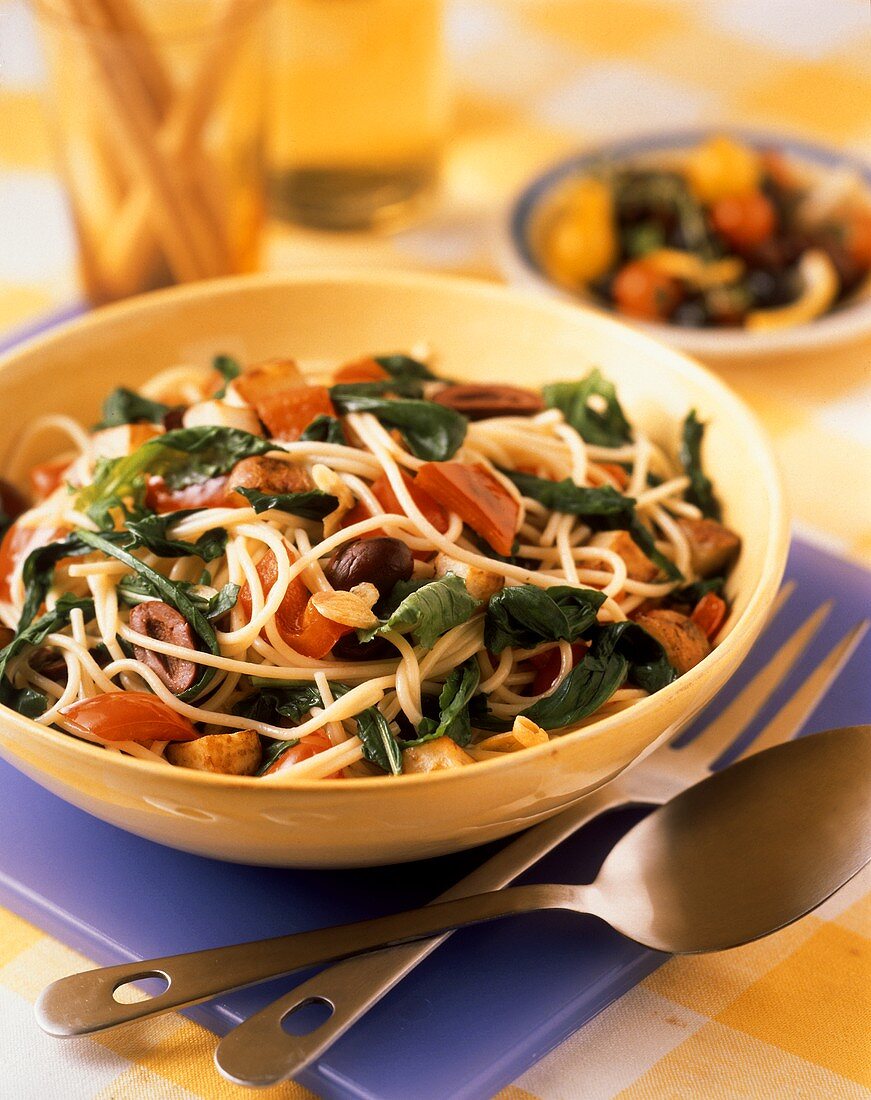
x=721, y=168
x=582, y=242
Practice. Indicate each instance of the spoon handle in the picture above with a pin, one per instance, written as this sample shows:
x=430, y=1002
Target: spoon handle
x=84, y=1003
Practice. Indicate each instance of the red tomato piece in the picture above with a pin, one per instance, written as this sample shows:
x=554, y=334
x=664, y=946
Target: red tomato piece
x=433, y=512
x=709, y=612
x=299, y=622
x=45, y=477
x=478, y=497
x=744, y=221
x=857, y=238
x=129, y=716
x=616, y=472
x=308, y=747
x=361, y=370
x=548, y=664
x=642, y=291
x=211, y=493
x=287, y=414
x=16, y=545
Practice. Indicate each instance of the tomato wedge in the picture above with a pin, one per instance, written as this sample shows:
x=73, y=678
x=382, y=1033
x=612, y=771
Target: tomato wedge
x=361, y=370
x=299, y=622
x=16, y=545
x=212, y=493
x=477, y=497
x=287, y=414
x=709, y=612
x=548, y=664
x=308, y=747
x=129, y=716
x=45, y=477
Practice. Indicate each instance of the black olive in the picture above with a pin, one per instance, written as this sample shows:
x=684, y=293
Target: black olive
x=380, y=561
x=768, y=289
x=172, y=418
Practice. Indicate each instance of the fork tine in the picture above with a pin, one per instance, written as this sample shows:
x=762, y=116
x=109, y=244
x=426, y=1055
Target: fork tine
x=793, y=715
x=780, y=599
x=728, y=726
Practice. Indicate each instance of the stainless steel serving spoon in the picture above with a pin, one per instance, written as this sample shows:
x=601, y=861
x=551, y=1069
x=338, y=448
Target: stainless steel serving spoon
x=731, y=859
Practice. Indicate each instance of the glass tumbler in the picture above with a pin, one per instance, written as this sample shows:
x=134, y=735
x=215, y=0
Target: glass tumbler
x=358, y=109
x=158, y=110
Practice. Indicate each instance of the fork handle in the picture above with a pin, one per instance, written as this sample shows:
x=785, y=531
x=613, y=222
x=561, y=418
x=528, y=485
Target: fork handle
x=259, y=1052
x=85, y=1003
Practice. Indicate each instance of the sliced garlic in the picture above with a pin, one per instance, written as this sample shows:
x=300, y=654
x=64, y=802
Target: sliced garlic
x=219, y=413
x=347, y=608
x=688, y=266
x=524, y=735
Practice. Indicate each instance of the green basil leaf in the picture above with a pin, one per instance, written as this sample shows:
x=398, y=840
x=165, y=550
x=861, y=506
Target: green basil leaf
x=325, y=429
x=603, y=509
x=187, y=456
x=273, y=752
x=379, y=745
x=453, y=720
x=27, y=701
x=403, y=366
x=592, y=409
x=132, y=588
x=34, y=633
x=170, y=592
x=428, y=612
x=151, y=530
x=313, y=504
x=343, y=392
x=524, y=616
x=124, y=406
x=692, y=593
x=228, y=368
x=618, y=650
x=38, y=573
x=278, y=699
x=432, y=432
x=224, y=600
x=701, y=490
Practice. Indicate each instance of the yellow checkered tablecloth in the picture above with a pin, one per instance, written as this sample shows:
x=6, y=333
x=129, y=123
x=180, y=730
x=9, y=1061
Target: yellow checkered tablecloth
x=787, y=1017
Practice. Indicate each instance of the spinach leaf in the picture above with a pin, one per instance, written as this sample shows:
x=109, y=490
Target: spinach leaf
x=313, y=504
x=428, y=612
x=603, y=509
x=403, y=366
x=618, y=650
x=482, y=718
x=130, y=588
x=228, y=368
x=150, y=531
x=592, y=409
x=700, y=491
x=432, y=432
x=325, y=429
x=124, y=406
x=38, y=572
x=379, y=745
x=274, y=751
x=525, y=616
x=170, y=592
x=277, y=699
x=34, y=633
x=692, y=593
x=342, y=392
x=291, y=699
x=453, y=720
x=183, y=457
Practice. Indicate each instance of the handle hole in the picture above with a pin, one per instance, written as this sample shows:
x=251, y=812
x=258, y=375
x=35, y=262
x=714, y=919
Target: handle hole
x=307, y=1017
x=141, y=987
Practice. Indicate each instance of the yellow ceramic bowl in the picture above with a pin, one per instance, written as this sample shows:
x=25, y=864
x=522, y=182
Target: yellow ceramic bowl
x=481, y=332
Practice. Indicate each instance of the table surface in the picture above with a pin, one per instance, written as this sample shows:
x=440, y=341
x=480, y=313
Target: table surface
x=787, y=1016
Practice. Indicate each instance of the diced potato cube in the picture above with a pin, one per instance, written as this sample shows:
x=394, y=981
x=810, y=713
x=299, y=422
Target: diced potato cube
x=236, y=753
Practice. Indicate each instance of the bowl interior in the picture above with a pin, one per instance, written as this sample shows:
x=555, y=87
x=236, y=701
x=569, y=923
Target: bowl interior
x=529, y=214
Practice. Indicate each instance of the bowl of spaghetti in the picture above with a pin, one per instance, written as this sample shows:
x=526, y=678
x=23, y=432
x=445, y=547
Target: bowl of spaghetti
x=340, y=570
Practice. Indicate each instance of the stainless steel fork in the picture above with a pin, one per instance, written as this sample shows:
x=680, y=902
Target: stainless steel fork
x=259, y=1052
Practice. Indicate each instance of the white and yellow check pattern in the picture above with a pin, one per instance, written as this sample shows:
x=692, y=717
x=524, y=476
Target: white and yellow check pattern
x=787, y=1017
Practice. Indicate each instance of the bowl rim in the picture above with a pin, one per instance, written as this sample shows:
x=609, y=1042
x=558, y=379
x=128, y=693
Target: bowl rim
x=521, y=266
x=770, y=572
